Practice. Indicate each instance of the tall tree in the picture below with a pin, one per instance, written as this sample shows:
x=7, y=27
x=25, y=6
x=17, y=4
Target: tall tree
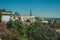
x=16, y=13
x=2, y=10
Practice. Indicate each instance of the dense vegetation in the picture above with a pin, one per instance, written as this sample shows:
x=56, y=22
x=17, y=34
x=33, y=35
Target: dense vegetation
x=34, y=31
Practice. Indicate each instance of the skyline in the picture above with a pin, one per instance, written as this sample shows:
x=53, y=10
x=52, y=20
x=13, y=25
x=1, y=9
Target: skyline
x=41, y=8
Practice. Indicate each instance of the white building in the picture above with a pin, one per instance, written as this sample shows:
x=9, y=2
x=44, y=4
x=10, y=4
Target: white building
x=28, y=17
x=44, y=22
x=6, y=16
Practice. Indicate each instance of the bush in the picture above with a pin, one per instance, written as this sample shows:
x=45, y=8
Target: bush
x=30, y=32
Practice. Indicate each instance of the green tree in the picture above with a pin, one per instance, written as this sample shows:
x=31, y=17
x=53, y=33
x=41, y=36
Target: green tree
x=30, y=32
x=16, y=13
x=2, y=10
x=27, y=20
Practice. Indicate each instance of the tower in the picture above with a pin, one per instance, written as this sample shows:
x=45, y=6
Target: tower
x=30, y=12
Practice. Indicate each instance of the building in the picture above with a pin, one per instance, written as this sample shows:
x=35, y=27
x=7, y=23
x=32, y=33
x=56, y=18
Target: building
x=6, y=16
x=28, y=17
x=46, y=22
x=15, y=17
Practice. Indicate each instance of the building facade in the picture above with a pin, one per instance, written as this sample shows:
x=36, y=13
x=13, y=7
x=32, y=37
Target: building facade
x=28, y=17
x=6, y=16
x=15, y=17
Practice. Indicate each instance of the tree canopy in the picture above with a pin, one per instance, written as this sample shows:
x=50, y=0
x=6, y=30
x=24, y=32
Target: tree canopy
x=30, y=32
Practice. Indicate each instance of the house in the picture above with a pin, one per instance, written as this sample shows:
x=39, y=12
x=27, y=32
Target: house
x=15, y=17
x=6, y=16
x=28, y=17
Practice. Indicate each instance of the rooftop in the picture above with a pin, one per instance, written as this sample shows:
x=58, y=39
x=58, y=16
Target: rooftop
x=6, y=13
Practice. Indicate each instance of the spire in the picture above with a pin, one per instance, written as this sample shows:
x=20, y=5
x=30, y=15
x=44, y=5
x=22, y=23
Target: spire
x=30, y=12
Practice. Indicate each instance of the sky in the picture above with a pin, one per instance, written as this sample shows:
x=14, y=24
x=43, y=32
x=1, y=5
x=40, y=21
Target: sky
x=41, y=8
